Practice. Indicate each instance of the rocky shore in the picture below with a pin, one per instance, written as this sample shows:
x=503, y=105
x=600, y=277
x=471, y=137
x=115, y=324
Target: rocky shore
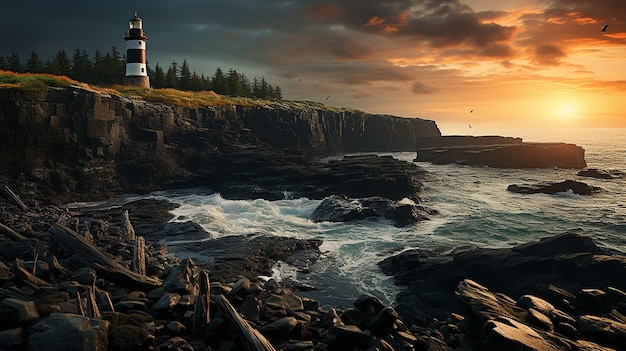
x=71, y=280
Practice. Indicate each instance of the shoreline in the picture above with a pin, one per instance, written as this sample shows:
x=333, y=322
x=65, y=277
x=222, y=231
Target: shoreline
x=164, y=316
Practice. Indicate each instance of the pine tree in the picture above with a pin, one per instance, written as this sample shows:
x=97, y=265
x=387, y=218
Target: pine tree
x=13, y=63
x=158, y=78
x=185, y=77
x=82, y=67
x=171, y=77
x=218, y=82
x=34, y=64
x=61, y=64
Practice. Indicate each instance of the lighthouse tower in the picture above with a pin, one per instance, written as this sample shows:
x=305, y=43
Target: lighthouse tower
x=136, y=70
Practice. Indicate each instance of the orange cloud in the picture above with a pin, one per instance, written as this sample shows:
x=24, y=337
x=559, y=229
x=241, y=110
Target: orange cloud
x=375, y=21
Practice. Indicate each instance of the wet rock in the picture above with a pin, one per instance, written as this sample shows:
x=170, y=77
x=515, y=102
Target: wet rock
x=505, y=154
x=600, y=173
x=342, y=209
x=176, y=343
x=553, y=188
x=68, y=332
x=180, y=279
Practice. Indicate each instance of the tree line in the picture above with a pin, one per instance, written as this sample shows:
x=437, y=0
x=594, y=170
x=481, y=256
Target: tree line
x=110, y=68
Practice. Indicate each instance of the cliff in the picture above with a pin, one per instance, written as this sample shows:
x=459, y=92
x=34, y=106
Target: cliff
x=90, y=144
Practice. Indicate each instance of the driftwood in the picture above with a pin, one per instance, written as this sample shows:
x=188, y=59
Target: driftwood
x=252, y=339
x=10, y=233
x=139, y=255
x=104, y=265
x=201, y=316
x=92, y=307
x=127, y=227
x=13, y=197
x=26, y=277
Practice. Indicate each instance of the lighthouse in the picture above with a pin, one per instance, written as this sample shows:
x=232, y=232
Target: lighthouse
x=136, y=70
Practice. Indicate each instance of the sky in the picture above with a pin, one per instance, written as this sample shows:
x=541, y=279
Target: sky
x=488, y=64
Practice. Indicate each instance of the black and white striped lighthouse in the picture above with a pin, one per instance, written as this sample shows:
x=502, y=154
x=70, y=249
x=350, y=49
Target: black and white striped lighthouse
x=136, y=70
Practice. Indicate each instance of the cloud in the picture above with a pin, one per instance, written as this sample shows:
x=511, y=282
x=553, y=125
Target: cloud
x=420, y=88
x=547, y=55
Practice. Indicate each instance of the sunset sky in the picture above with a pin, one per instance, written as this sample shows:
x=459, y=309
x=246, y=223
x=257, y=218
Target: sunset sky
x=514, y=63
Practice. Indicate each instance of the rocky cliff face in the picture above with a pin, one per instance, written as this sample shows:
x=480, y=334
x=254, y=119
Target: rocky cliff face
x=87, y=144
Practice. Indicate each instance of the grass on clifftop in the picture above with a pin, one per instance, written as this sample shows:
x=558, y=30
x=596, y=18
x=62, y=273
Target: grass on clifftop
x=34, y=81
x=191, y=99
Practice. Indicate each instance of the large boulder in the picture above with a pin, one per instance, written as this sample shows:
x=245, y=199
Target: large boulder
x=343, y=209
x=69, y=332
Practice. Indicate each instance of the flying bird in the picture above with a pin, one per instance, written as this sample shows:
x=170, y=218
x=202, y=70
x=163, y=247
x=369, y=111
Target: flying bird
x=469, y=126
x=604, y=28
x=472, y=110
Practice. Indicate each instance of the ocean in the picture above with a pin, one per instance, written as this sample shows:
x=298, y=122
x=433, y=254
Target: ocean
x=475, y=210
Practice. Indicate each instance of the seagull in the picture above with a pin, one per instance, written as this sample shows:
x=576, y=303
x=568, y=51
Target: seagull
x=327, y=97
x=604, y=28
x=472, y=110
x=469, y=126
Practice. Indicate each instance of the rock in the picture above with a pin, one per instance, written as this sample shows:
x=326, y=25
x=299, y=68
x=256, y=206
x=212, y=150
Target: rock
x=130, y=338
x=600, y=174
x=554, y=188
x=602, y=330
x=250, y=308
x=528, y=301
x=180, y=280
x=14, y=312
x=10, y=339
x=516, y=154
x=176, y=344
x=507, y=334
x=594, y=301
x=383, y=322
x=167, y=302
x=539, y=319
x=288, y=302
x=85, y=276
x=279, y=330
x=175, y=328
x=569, y=261
x=348, y=337
x=68, y=332
x=342, y=209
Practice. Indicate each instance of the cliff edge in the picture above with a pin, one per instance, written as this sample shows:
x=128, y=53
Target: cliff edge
x=76, y=144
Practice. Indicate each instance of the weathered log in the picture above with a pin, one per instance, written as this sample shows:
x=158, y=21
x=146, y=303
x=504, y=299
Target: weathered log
x=104, y=265
x=105, y=303
x=55, y=266
x=13, y=197
x=251, y=338
x=127, y=227
x=92, y=306
x=26, y=277
x=139, y=255
x=10, y=233
x=201, y=316
x=79, y=305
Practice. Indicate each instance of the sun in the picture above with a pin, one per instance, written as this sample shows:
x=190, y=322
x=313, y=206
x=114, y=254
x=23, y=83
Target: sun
x=565, y=110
